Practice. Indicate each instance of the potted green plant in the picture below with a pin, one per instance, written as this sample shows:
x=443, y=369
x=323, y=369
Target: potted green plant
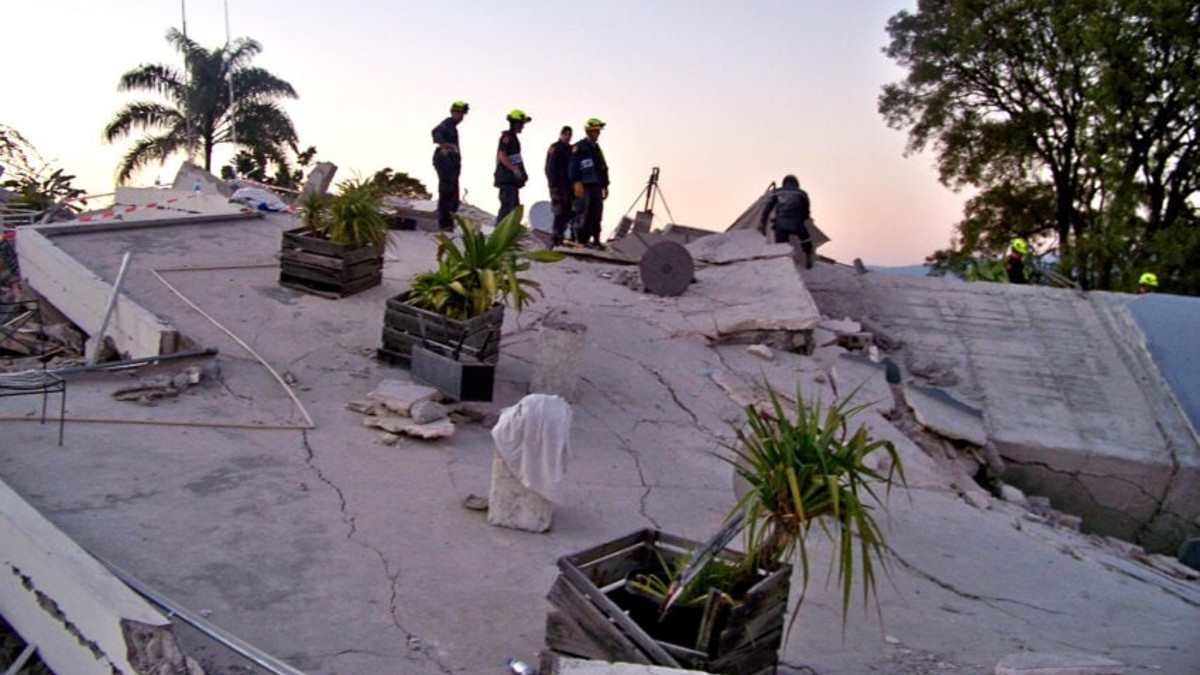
x=456, y=309
x=338, y=250
x=798, y=466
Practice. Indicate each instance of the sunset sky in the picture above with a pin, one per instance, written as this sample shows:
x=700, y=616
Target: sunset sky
x=724, y=97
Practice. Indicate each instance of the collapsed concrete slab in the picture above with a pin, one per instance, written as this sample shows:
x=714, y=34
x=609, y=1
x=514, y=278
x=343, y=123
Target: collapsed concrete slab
x=81, y=618
x=747, y=298
x=82, y=296
x=1067, y=398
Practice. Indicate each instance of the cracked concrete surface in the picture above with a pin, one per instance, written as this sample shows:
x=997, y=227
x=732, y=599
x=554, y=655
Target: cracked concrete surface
x=1071, y=399
x=339, y=554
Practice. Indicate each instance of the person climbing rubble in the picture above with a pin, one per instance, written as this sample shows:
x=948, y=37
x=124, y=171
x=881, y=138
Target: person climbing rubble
x=793, y=212
x=447, y=161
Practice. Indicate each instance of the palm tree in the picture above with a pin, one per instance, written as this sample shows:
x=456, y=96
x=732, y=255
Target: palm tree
x=199, y=113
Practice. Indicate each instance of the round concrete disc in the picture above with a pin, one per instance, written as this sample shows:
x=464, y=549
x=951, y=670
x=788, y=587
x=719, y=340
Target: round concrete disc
x=666, y=268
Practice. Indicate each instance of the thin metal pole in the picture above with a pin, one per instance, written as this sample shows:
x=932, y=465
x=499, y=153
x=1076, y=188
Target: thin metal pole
x=257, y=656
x=98, y=338
x=187, y=116
x=232, y=100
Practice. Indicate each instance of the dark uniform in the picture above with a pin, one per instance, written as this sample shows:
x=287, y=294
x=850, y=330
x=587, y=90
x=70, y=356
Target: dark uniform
x=792, y=212
x=510, y=183
x=589, y=168
x=558, y=163
x=1014, y=267
x=448, y=164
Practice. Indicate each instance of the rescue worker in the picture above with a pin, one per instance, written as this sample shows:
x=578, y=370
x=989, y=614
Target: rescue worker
x=792, y=211
x=447, y=161
x=510, y=174
x=558, y=161
x=588, y=173
x=1014, y=266
x=1147, y=283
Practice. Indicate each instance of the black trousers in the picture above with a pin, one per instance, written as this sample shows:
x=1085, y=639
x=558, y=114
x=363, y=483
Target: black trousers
x=561, y=199
x=510, y=198
x=448, y=167
x=590, y=211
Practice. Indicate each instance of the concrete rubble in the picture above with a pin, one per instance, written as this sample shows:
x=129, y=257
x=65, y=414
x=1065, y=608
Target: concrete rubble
x=326, y=548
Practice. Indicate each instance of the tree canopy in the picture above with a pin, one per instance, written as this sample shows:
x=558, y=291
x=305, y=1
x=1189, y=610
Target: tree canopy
x=1078, y=121
x=217, y=98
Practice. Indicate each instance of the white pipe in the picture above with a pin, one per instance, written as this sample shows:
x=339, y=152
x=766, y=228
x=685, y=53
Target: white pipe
x=98, y=338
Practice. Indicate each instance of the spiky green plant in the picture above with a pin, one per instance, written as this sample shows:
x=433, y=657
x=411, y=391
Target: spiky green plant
x=314, y=211
x=354, y=216
x=477, y=270
x=804, y=468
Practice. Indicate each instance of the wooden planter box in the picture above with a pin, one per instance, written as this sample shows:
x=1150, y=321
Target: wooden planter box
x=328, y=269
x=595, y=616
x=477, y=339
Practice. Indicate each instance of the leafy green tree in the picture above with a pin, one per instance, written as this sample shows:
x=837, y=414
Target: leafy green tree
x=199, y=112
x=257, y=167
x=32, y=180
x=399, y=184
x=1075, y=119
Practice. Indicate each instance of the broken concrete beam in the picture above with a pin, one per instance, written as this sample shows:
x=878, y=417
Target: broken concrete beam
x=83, y=296
x=319, y=179
x=512, y=505
x=395, y=424
x=399, y=396
x=189, y=175
x=554, y=369
x=81, y=618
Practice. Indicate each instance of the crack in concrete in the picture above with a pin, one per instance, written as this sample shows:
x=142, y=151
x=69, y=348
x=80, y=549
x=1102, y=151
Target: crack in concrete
x=1077, y=474
x=990, y=602
x=624, y=444
x=413, y=642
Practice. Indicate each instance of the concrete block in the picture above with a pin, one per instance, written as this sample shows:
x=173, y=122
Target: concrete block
x=399, y=396
x=1042, y=663
x=319, y=179
x=462, y=379
x=556, y=361
x=511, y=504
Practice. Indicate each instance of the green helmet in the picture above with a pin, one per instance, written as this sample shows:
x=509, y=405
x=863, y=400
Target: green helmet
x=517, y=115
x=1148, y=279
x=1020, y=246
x=593, y=123
x=460, y=106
